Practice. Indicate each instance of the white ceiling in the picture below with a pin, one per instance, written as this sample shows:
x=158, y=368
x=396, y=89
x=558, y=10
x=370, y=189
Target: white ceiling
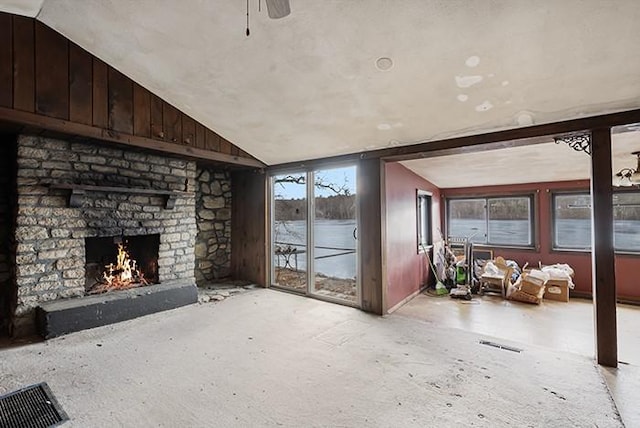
x=527, y=164
x=306, y=86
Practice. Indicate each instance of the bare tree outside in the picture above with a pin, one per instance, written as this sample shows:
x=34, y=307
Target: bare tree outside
x=334, y=217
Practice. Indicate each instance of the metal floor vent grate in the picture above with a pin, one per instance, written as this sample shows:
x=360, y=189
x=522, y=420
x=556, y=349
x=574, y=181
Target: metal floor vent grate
x=498, y=345
x=31, y=407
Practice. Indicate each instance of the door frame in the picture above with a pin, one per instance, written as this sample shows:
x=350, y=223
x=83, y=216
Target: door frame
x=310, y=223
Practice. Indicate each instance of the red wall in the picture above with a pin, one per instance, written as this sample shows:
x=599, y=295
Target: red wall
x=406, y=269
x=627, y=266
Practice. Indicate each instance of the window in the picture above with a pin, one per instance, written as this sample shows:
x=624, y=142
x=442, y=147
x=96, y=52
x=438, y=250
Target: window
x=424, y=219
x=500, y=221
x=572, y=221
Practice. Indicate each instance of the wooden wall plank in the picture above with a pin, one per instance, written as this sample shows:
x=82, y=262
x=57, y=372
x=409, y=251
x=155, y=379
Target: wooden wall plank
x=141, y=111
x=6, y=60
x=157, y=126
x=249, y=227
x=211, y=140
x=225, y=146
x=244, y=154
x=200, y=136
x=37, y=123
x=120, y=102
x=370, y=178
x=52, y=72
x=43, y=73
x=171, y=123
x=100, y=94
x=23, y=64
x=188, y=131
x=602, y=254
x=80, y=85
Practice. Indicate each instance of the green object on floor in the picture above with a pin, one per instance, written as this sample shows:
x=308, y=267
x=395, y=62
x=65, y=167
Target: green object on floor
x=441, y=289
x=461, y=275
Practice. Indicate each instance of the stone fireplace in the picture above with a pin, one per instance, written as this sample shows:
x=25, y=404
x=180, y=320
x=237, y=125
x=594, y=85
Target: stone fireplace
x=75, y=198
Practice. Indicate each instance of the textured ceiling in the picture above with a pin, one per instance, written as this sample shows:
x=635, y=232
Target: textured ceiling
x=307, y=86
x=528, y=164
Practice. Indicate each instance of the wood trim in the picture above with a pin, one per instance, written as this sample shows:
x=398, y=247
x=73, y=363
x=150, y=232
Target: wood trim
x=602, y=254
x=76, y=129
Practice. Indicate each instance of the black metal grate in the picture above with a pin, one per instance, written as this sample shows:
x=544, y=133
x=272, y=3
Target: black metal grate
x=500, y=346
x=31, y=407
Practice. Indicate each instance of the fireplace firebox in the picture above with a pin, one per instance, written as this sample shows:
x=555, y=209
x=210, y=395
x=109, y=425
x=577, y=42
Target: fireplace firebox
x=121, y=262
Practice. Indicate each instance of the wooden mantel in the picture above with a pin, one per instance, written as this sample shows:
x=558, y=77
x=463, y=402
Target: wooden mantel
x=77, y=191
x=48, y=83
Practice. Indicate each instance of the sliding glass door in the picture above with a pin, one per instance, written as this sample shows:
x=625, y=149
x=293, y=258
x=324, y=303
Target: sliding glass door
x=314, y=244
x=335, y=234
x=289, y=231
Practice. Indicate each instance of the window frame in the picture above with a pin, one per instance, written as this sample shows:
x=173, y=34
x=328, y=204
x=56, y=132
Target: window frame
x=583, y=192
x=533, y=220
x=427, y=196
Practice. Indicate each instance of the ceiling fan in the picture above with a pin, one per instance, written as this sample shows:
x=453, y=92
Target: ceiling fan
x=278, y=8
x=275, y=8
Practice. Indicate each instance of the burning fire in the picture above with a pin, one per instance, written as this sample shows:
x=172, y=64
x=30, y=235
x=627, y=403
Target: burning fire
x=124, y=274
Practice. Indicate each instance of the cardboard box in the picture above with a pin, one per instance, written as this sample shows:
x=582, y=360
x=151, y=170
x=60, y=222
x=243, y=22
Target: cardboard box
x=533, y=288
x=557, y=289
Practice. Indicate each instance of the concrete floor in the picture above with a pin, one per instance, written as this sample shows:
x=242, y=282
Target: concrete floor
x=566, y=327
x=267, y=358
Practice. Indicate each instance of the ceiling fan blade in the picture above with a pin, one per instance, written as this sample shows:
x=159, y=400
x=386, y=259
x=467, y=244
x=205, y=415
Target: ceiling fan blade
x=278, y=8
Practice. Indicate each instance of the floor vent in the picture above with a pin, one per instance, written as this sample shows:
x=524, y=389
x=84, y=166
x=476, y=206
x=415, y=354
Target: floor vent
x=31, y=407
x=498, y=345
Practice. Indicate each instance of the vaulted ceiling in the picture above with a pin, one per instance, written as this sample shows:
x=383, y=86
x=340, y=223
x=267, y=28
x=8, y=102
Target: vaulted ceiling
x=340, y=76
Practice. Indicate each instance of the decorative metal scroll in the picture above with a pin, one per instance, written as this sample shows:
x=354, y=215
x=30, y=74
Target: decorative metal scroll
x=578, y=142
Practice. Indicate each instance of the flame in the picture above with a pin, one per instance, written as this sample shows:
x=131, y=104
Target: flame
x=124, y=274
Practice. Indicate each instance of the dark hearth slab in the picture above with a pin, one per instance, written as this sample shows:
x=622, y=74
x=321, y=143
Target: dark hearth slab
x=66, y=316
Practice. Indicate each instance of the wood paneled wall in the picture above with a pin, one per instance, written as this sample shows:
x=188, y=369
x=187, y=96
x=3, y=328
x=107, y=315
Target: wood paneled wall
x=48, y=82
x=370, y=234
x=249, y=255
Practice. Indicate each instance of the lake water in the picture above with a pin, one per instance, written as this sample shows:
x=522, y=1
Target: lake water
x=333, y=238
x=573, y=233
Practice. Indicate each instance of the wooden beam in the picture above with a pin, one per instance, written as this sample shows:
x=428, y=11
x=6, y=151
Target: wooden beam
x=77, y=129
x=419, y=149
x=370, y=178
x=602, y=253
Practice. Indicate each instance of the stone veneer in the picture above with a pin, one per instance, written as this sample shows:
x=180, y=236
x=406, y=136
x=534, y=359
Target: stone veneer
x=213, y=212
x=7, y=168
x=49, y=250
